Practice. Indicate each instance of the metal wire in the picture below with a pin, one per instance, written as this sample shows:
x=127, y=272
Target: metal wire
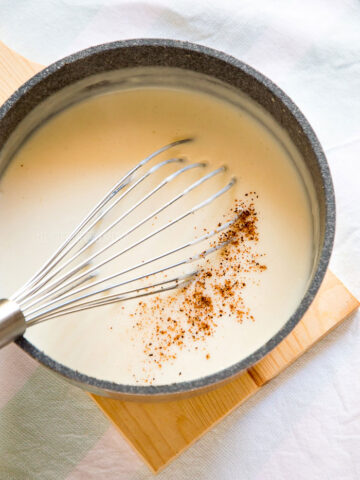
x=55, y=291
x=114, y=191
x=31, y=314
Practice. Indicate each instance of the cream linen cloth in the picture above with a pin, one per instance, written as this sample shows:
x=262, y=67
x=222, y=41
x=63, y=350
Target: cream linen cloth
x=305, y=424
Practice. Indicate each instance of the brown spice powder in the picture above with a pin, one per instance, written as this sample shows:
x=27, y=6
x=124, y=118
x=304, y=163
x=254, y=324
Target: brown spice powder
x=216, y=291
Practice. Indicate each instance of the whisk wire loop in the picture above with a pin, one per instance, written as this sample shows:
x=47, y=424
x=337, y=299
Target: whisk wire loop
x=66, y=283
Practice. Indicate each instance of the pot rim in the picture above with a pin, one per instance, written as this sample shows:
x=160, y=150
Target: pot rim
x=124, y=391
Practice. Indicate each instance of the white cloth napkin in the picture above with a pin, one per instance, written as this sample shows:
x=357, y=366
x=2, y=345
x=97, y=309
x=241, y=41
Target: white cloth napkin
x=305, y=424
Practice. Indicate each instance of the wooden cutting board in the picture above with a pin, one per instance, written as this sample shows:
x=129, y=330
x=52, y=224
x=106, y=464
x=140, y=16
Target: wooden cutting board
x=160, y=431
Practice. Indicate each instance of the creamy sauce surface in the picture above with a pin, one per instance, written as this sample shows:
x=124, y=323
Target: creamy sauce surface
x=71, y=161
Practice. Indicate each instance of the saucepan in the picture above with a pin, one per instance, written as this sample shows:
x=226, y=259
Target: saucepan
x=91, y=71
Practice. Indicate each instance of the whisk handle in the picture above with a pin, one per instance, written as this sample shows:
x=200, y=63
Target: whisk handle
x=12, y=322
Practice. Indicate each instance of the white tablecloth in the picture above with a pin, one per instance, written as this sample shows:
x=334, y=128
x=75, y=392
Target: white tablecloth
x=306, y=423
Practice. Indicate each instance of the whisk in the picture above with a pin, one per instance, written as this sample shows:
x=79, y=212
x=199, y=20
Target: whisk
x=68, y=283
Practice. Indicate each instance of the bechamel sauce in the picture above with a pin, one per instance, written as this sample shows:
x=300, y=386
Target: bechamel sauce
x=72, y=160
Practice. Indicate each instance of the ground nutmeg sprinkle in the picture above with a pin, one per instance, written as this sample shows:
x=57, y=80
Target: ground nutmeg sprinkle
x=186, y=318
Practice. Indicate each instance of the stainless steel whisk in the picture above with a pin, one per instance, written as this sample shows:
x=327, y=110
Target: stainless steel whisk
x=53, y=291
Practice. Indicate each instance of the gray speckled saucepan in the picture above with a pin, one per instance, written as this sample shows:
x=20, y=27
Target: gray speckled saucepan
x=220, y=67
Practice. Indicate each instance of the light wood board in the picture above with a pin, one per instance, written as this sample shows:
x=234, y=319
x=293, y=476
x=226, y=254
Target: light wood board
x=159, y=432
x=14, y=71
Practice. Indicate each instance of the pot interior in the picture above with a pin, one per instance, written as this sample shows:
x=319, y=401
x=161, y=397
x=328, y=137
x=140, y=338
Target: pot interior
x=75, y=82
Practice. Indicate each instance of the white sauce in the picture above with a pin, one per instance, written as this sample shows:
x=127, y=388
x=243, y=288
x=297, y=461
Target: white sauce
x=71, y=161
